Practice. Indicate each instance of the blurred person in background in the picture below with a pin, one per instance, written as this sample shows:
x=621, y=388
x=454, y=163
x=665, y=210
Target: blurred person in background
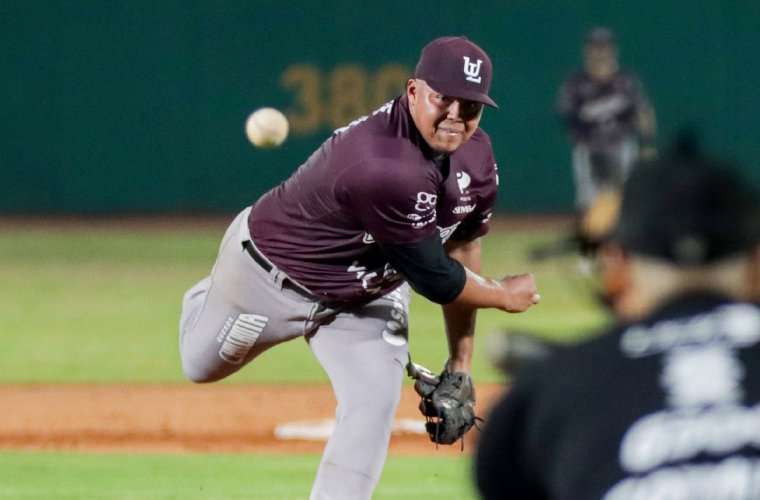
x=609, y=120
x=667, y=403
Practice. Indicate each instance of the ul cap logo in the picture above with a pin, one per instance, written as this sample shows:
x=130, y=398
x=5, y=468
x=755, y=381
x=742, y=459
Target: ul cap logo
x=472, y=70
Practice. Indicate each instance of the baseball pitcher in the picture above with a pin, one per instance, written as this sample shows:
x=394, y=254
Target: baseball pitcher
x=393, y=200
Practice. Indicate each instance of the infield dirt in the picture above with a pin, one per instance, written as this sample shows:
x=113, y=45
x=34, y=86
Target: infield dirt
x=187, y=418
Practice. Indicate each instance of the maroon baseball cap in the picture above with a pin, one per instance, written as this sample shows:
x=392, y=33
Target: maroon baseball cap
x=456, y=67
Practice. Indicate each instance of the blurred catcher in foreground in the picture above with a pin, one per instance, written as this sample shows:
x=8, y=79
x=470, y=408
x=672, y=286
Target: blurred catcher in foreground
x=666, y=403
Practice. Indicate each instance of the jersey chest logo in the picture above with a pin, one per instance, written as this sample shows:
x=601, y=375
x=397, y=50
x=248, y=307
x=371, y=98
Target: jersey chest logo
x=463, y=181
x=425, y=201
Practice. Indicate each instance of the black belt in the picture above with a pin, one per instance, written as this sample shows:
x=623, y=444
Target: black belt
x=267, y=266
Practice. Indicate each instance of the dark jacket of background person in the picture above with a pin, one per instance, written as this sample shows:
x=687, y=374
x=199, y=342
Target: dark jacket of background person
x=602, y=104
x=667, y=403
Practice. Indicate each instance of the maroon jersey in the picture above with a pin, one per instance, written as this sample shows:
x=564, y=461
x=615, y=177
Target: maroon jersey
x=601, y=113
x=375, y=180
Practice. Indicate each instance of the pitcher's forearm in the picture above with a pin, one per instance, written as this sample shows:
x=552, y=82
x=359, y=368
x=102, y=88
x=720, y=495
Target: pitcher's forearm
x=480, y=292
x=512, y=294
x=460, y=332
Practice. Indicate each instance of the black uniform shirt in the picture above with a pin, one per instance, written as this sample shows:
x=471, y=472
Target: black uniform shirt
x=668, y=408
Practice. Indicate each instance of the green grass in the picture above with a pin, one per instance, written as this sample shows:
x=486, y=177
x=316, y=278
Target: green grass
x=74, y=476
x=102, y=305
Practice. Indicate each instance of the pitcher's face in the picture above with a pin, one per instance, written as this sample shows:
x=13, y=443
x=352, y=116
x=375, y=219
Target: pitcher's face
x=445, y=122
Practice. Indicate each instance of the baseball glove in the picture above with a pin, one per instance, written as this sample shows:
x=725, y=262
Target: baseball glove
x=448, y=402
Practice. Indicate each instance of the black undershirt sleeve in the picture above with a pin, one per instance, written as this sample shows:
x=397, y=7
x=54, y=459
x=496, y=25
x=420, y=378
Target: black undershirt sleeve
x=427, y=268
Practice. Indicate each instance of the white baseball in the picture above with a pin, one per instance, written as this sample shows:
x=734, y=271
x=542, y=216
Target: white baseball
x=266, y=128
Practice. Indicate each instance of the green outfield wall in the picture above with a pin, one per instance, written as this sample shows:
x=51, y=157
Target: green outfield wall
x=138, y=106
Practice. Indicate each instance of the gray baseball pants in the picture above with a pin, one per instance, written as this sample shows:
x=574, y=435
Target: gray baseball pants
x=240, y=310
x=591, y=178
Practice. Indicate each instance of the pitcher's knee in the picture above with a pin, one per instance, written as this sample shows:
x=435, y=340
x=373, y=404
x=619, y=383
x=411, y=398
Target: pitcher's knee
x=200, y=373
x=194, y=375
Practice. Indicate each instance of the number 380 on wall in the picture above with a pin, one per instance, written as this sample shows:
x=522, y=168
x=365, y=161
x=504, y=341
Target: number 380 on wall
x=333, y=99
